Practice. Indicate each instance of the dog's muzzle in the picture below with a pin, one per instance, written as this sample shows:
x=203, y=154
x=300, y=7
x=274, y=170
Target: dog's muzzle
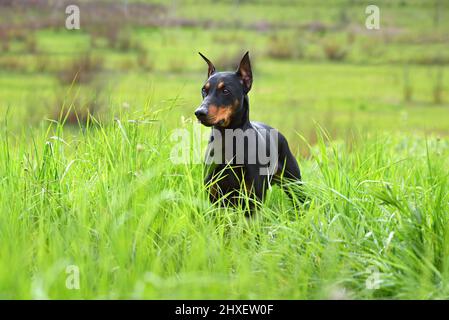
x=201, y=113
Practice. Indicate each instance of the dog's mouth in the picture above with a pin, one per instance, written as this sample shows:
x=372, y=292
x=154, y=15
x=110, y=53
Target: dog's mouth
x=205, y=122
x=208, y=123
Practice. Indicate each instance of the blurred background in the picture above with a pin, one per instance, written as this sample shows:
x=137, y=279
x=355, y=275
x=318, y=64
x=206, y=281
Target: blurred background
x=314, y=62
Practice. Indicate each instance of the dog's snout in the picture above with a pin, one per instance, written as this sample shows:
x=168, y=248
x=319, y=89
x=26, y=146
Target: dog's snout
x=201, y=113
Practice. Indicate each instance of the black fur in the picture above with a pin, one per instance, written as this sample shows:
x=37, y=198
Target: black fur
x=226, y=93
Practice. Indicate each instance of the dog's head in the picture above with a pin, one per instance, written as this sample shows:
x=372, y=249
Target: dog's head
x=223, y=93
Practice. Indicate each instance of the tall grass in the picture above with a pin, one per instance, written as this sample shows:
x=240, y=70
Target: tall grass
x=106, y=198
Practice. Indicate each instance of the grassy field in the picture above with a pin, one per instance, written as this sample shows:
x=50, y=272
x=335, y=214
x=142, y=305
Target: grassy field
x=86, y=177
x=108, y=200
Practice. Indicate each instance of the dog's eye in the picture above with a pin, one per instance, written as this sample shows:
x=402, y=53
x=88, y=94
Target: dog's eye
x=226, y=91
x=204, y=92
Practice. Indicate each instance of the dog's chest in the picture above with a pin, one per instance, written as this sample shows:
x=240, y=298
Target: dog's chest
x=236, y=146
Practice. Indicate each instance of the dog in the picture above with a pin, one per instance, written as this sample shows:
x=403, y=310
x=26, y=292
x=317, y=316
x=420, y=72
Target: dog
x=233, y=156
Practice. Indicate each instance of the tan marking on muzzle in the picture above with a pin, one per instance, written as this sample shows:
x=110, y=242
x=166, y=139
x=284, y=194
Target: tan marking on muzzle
x=221, y=113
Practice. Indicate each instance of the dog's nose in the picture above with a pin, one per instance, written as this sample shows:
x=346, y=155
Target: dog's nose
x=201, y=113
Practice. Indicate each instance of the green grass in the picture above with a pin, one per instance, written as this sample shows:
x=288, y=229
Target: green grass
x=109, y=200
x=342, y=95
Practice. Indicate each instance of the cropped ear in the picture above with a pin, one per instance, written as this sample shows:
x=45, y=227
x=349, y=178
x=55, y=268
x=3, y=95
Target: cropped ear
x=245, y=73
x=211, y=67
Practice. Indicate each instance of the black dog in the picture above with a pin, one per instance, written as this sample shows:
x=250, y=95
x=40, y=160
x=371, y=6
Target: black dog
x=247, y=156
